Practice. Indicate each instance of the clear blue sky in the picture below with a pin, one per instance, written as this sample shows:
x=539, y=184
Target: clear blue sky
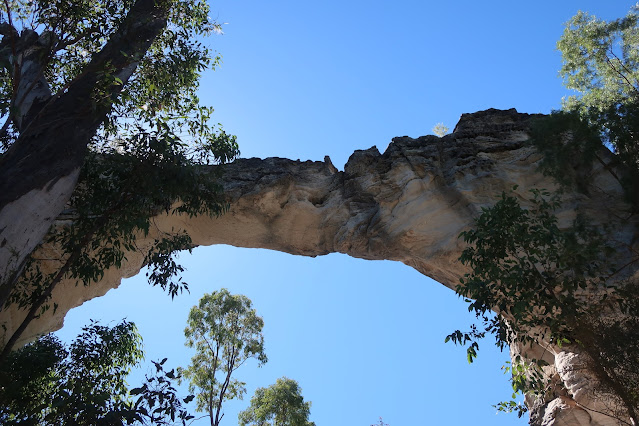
x=306, y=79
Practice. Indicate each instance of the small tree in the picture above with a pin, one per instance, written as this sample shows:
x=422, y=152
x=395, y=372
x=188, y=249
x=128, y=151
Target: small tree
x=440, y=129
x=125, y=74
x=225, y=332
x=281, y=404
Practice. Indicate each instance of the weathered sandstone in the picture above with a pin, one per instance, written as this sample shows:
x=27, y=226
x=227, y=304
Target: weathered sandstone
x=408, y=204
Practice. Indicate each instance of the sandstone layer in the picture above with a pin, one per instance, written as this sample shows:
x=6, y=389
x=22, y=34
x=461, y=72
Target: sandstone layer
x=408, y=204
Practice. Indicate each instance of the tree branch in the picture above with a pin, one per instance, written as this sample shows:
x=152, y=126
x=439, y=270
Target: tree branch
x=622, y=75
x=64, y=44
x=54, y=146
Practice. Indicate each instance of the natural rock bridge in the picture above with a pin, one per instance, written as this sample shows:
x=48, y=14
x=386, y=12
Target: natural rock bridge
x=408, y=204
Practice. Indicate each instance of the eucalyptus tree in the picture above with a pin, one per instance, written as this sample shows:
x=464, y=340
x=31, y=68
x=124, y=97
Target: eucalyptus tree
x=281, y=404
x=601, y=67
x=601, y=63
x=549, y=283
x=225, y=331
x=101, y=121
x=440, y=129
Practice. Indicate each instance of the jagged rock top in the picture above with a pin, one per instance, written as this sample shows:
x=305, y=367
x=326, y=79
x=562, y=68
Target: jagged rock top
x=493, y=121
x=461, y=152
x=408, y=204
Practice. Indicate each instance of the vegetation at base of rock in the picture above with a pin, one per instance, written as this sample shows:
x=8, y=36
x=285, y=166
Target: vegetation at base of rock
x=46, y=382
x=226, y=332
x=554, y=285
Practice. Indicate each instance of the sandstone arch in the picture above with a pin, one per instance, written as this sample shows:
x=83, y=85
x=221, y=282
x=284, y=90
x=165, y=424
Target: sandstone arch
x=408, y=204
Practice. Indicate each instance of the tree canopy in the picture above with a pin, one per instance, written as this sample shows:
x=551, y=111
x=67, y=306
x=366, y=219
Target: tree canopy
x=601, y=64
x=120, y=79
x=281, y=404
x=225, y=331
x=46, y=382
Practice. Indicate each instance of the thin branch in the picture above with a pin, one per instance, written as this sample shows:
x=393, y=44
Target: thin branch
x=625, y=68
x=622, y=268
x=37, y=304
x=608, y=167
x=585, y=407
x=198, y=418
x=622, y=75
x=64, y=44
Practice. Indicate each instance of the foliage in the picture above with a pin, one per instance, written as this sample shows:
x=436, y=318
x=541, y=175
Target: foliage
x=558, y=286
x=570, y=161
x=165, y=83
x=85, y=384
x=145, y=158
x=158, y=401
x=440, y=129
x=281, y=404
x=548, y=284
x=529, y=270
x=25, y=392
x=601, y=64
x=119, y=192
x=225, y=331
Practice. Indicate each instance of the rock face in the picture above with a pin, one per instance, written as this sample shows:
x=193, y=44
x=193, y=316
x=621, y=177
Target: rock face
x=408, y=204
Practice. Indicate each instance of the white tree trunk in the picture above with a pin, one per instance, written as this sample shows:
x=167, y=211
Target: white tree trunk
x=25, y=222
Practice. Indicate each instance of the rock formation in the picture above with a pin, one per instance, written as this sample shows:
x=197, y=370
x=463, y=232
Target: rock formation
x=408, y=204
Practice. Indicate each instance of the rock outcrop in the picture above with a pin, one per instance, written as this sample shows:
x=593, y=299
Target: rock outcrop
x=408, y=204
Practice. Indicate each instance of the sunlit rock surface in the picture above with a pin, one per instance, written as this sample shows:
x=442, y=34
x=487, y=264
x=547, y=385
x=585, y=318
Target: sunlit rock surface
x=408, y=204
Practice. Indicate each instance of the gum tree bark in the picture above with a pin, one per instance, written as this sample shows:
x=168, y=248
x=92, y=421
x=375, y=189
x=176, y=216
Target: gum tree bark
x=39, y=171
